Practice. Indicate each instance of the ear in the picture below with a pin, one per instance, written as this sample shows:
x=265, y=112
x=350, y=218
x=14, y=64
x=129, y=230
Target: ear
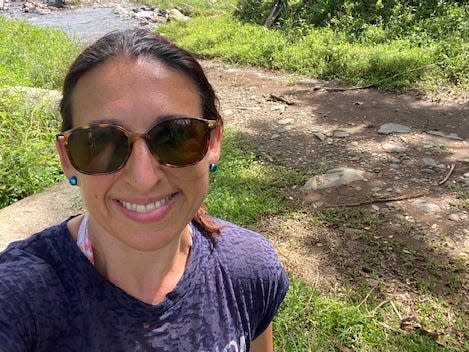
x=214, y=148
x=67, y=167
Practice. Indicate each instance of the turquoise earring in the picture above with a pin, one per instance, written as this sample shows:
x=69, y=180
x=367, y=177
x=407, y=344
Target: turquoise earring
x=212, y=168
x=73, y=180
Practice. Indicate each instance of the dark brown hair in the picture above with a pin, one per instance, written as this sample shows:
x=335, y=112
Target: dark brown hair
x=133, y=44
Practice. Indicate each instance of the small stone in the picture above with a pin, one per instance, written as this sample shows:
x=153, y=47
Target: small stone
x=341, y=134
x=389, y=128
x=454, y=217
x=393, y=148
x=426, y=207
x=275, y=136
x=428, y=163
x=286, y=121
x=320, y=136
x=375, y=207
x=395, y=166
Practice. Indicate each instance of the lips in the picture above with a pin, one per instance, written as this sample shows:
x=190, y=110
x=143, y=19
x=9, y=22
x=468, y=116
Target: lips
x=146, y=208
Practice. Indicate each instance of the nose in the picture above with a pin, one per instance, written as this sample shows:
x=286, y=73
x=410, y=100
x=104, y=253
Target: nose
x=142, y=168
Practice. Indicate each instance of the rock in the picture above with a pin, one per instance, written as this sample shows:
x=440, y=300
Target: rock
x=452, y=136
x=426, y=207
x=394, y=160
x=286, y=121
x=454, y=217
x=341, y=134
x=56, y=3
x=428, y=162
x=320, y=136
x=122, y=12
x=389, y=128
x=393, y=148
x=334, y=178
x=2, y=4
x=145, y=16
x=176, y=15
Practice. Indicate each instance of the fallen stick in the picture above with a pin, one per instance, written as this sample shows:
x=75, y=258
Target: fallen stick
x=380, y=200
x=448, y=175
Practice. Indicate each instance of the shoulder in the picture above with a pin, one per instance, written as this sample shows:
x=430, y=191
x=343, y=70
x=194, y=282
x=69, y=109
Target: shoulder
x=28, y=266
x=30, y=289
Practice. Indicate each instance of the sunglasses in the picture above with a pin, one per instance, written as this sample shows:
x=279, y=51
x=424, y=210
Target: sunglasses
x=104, y=148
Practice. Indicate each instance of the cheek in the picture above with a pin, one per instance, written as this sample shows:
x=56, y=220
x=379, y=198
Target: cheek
x=197, y=173
x=94, y=188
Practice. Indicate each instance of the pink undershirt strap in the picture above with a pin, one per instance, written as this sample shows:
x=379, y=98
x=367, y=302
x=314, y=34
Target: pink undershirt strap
x=83, y=240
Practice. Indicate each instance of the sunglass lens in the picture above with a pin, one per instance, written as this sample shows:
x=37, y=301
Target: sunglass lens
x=179, y=142
x=97, y=149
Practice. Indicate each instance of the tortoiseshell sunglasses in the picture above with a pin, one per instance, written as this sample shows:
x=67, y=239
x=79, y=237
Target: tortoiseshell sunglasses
x=104, y=148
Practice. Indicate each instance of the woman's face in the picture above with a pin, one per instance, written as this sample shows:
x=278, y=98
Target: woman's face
x=144, y=205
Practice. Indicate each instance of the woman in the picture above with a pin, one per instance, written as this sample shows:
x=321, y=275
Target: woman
x=144, y=269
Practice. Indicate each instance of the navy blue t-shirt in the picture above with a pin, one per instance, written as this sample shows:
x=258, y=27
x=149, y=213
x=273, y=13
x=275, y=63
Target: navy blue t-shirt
x=53, y=299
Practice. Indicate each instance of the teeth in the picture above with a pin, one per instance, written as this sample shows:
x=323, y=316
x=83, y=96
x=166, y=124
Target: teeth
x=144, y=208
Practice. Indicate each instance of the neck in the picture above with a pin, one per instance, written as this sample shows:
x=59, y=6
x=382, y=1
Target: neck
x=147, y=276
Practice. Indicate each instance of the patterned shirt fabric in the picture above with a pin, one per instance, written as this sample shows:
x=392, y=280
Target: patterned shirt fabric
x=53, y=299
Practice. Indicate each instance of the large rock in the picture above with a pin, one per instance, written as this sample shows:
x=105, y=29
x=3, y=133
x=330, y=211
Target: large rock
x=334, y=178
x=37, y=212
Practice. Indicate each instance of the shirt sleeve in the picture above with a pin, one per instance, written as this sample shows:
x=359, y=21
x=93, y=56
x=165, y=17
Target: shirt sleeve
x=273, y=290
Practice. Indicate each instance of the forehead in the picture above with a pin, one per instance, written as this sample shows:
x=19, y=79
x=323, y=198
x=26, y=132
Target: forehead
x=135, y=89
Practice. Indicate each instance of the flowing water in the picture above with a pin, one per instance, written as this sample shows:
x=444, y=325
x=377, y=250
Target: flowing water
x=84, y=23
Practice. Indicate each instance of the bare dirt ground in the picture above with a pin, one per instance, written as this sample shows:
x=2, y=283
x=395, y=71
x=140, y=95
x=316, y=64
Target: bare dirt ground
x=383, y=243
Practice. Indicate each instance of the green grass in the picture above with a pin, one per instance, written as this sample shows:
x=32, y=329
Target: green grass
x=32, y=56
x=28, y=160
x=370, y=55
x=313, y=321
x=244, y=189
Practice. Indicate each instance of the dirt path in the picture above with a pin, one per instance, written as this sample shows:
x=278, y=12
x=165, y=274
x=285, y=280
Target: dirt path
x=405, y=251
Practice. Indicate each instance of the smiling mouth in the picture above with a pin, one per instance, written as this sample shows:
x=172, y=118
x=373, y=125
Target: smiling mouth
x=145, y=208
